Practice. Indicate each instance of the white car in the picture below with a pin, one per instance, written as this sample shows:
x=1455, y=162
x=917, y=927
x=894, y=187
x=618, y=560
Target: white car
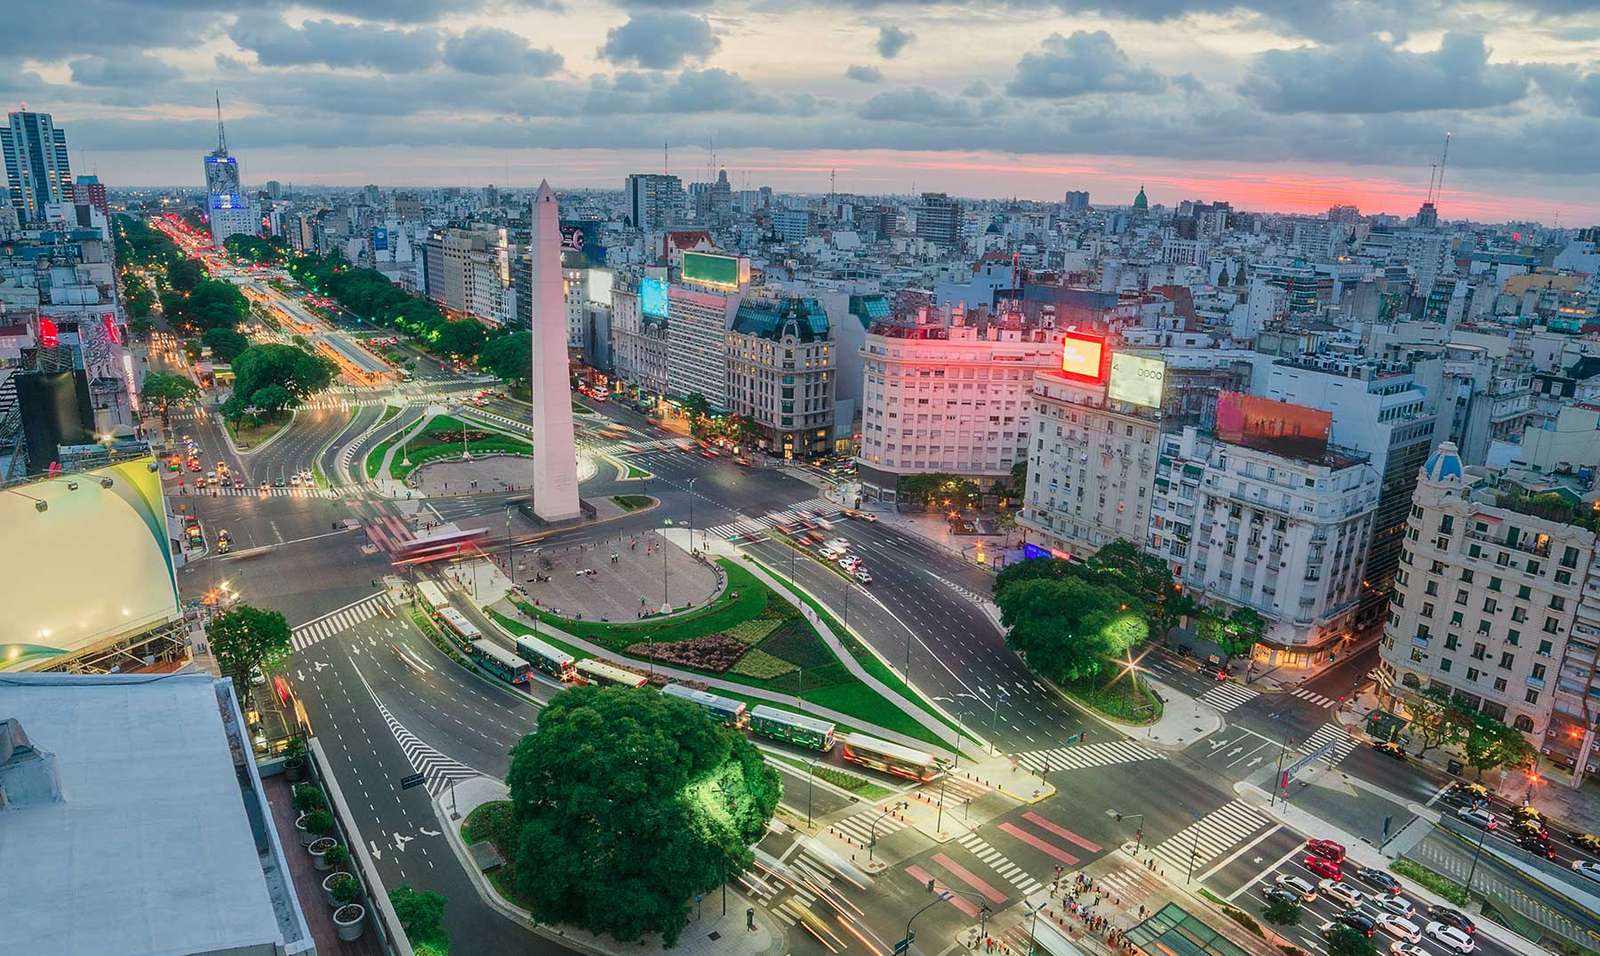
x=1399, y=928
x=1406, y=949
x=1340, y=892
x=1585, y=868
x=1482, y=819
x=863, y=576
x=849, y=562
x=1398, y=905
x=1450, y=937
x=1308, y=893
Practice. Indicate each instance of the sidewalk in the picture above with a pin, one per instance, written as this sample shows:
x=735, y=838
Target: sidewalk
x=935, y=530
x=1183, y=719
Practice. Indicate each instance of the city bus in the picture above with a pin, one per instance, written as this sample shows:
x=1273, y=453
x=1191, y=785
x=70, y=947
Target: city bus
x=431, y=597
x=461, y=630
x=722, y=709
x=548, y=660
x=797, y=729
x=500, y=662
x=597, y=671
x=888, y=757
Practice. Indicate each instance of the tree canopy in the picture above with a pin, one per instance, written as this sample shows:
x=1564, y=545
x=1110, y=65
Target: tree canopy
x=255, y=248
x=297, y=370
x=1492, y=744
x=462, y=339
x=225, y=344
x=1068, y=629
x=208, y=304
x=629, y=803
x=509, y=357
x=1345, y=941
x=167, y=389
x=421, y=915
x=243, y=638
x=937, y=489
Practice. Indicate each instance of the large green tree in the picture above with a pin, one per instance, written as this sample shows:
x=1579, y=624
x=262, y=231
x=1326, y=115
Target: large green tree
x=1492, y=744
x=272, y=399
x=1282, y=912
x=168, y=390
x=509, y=357
x=629, y=804
x=1068, y=629
x=462, y=339
x=226, y=344
x=421, y=915
x=184, y=274
x=297, y=370
x=1439, y=720
x=1345, y=941
x=244, y=638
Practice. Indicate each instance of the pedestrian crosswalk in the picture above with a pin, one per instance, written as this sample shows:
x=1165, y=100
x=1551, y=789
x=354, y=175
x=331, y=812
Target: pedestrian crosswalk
x=1131, y=885
x=343, y=619
x=300, y=491
x=1210, y=838
x=1227, y=696
x=1314, y=697
x=1084, y=756
x=746, y=527
x=997, y=861
x=864, y=826
x=1332, y=734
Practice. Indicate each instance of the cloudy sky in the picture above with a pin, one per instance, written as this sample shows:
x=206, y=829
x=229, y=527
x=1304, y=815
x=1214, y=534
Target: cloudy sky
x=1273, y=104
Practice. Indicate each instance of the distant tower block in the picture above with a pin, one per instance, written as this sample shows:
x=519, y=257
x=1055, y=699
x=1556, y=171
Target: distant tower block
x=555, y=454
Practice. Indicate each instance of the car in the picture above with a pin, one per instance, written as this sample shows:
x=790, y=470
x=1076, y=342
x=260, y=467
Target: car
x=1450, y=917
x=1397, y=905
x=1295, y=884
x=1478, y=818
x=211, y=476
x=1282, y=894
x=1358, y=921
x=1406, y=949
x=277, y=482
x=1340, y=892
x=224, y=546
x=1390, y=749
x=1327, y=849
x=1527, y=826
x=305, y=477
x=863, y=576
x=1321, y=867
x=1469, y=792
x=1449, y=937
x=1537, y=845
x=238, y=482
x=1398, y=927
x=1379, y=878
x=1586, y=869
x=262, y=487
x=1588, y=841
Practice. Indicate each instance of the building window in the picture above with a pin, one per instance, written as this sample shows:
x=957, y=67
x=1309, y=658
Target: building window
x=1500, y=685
x=1432, y=587
x=1551, y=625
x=1473, y=674
x=1479, y=651
x=1461, y=597
x=1507, y=659
x=1489, y=606
x=1450, y=642
x=1558, y=603
x=1513, y=637
x=1532, y=697
x=1494, y=583
x=1523, y=722
x=1444, y=665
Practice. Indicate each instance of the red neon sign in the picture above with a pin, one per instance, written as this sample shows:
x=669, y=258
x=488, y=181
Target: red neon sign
x=49, y=335
x=1085, y=358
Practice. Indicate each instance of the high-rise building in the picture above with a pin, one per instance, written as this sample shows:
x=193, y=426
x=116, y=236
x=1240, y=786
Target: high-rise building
x=654, y=201
x=37, y=169
x=939, y=219
x=1075, y=201
x=90, y=191
x=273, y=189
x=227, y=210
x=781, y=374
x=1495, y=568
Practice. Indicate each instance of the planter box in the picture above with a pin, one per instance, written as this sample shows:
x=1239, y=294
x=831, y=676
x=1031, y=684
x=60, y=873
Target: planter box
x=306, y=837
x=319, y=850
x=327, y=886
x=349, y=921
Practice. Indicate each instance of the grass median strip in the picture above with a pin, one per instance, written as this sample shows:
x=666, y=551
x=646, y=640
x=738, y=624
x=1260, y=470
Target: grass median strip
x=849, y=782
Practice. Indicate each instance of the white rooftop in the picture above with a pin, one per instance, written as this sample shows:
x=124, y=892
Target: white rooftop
x=149, y=851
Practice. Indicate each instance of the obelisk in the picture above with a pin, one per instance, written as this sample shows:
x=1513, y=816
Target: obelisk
x=555, y=454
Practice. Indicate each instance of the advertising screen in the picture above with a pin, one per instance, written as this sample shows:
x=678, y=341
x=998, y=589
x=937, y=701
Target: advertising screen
x=711, y=270
x=653, y=297
x=380, y=238
x=1083, y=357
x=1136, y=379
x=1283, y=428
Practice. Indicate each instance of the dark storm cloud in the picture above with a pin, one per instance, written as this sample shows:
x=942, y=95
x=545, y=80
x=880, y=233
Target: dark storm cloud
x=892, y=40
x=660, y=41
x=917, y=105
x=128, y=69
x=864, y=74
x=490, y=51
x=1080, y=64
x=330, y=43
x=1370, y=76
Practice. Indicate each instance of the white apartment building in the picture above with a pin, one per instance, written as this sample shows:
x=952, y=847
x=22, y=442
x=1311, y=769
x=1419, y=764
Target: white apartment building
x=1486, y=598
x=1091, y=467
x=1285, y=536
x=948, y=399
x=697, y=330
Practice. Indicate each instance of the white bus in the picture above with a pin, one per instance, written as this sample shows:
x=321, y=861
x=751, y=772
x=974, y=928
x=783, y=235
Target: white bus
x=888, y=757
x=431, y=597
x=597, y=671
x=724, y=710
x=500, y=662
x=461, y=630
x=550, y=660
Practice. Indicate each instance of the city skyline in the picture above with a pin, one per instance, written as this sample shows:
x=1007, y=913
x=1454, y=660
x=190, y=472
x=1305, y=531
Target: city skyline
x=1191, y=99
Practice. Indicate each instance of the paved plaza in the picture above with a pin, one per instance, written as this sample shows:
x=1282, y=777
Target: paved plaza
x=484, y=473
x=629, y=571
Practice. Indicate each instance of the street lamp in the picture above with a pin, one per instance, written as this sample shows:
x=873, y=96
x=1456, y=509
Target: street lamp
x=994, y=716
x=811, y=770
x=691, y=512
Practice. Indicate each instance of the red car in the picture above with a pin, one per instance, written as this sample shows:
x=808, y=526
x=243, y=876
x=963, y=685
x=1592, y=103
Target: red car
x=1326, y=849
x=1323, y=868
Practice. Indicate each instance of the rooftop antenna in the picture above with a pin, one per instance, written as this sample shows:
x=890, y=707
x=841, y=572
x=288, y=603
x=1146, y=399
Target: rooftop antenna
x=664, y=164
x=222, y=139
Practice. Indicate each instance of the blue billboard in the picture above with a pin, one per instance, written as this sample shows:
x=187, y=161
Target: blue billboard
x=653, y=297
x=380, y=238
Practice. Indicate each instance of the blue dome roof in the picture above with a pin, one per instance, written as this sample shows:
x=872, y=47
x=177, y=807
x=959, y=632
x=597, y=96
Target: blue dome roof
x=1444, y=463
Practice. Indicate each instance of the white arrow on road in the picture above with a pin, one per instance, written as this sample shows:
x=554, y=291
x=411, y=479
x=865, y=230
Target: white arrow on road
x=299, y=675
x=401, y=841
x=1254, y=761
x=427, y=832
x=377, y=854
x=1218, y=743
x=319, y=665
x=1235, y=750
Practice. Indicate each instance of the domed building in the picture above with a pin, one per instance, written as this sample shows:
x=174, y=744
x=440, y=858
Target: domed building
x=1141, y=204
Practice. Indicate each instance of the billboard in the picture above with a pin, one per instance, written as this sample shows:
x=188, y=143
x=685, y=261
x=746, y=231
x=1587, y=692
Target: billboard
x=1137, y=380
x=380, y=238
x=1083, y=357
x=1283, y=428
x=653, y=298
x=728, y=272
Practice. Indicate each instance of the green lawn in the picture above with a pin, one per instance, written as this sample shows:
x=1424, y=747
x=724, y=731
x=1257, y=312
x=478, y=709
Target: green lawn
x=483, y=446
x=495, y=821
x=389, y=411
x=634, y=471
x=247, y=435
x=375, y=457
x=860, y=786
x=428, y=446
x=1117, y=700
x=632, y=502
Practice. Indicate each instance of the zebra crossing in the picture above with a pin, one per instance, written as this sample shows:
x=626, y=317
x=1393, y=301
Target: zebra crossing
x=1229, y=696
x=288, y=492
x=1314, y=697
x=997, y=861
x=863, y=826
x=746, y=526
x=438, y=771
x=1211, y=837
x=1333, y=734
x=1084, y=756
x=1133, y=885
x=343, y=619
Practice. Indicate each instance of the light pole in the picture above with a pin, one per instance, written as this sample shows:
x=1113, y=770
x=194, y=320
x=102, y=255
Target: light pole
x=811, y=771
x=872, y=834
x=511, y=571
x=691, y=513
x=1194, y=852
x=1478, y=851
x=1033, y=928
x=994, y=716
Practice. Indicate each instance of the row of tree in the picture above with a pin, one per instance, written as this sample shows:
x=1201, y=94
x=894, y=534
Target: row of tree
x=1487, y=743
x=937, y=490
x=270, y=379
x=268, y=251
x=369, y=294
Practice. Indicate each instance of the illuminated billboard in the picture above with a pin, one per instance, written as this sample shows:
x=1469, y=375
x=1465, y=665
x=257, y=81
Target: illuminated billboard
x=1083, y=357
x=1283, y=428
x=653, y=298
x=725, y=272
x=1136, y=379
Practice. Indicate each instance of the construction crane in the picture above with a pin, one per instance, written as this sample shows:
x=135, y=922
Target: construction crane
x=1436, y=179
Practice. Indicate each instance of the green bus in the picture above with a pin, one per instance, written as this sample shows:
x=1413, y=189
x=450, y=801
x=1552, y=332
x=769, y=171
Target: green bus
x=797, y=729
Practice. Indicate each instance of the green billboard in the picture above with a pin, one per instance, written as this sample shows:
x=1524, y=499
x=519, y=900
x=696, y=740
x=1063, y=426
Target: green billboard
x=711, y=269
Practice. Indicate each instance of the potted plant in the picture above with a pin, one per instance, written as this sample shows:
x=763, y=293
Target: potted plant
x=349, y=917
x=332, y=881
x=294, y=759
x=317, y=824
x=337, y=858
x=319, y=849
